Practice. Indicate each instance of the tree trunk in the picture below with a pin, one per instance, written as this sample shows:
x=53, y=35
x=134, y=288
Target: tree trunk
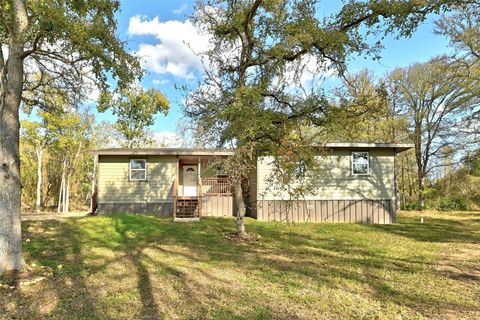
x=38, y=207
x=61, y=192
x=240, y=205
x=411, y=183
x=67, y=196
x=64, y=190
x=59, y=205
x=10, y=187
x=421, y=189
x=11, y=78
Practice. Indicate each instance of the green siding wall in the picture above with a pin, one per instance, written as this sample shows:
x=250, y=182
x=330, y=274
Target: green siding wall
x=336, y=181
x=115, y=187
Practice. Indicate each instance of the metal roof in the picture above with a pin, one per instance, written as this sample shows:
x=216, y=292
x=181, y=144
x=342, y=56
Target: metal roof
x=398, y=146
x=226, y=152
x=163, y=151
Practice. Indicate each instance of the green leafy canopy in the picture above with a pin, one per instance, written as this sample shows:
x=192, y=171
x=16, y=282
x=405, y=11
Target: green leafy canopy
x=245, y=100
x=69, y=45
x=135, y=109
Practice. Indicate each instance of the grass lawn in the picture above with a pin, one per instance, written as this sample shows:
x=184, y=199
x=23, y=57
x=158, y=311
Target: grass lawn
x=141, y=267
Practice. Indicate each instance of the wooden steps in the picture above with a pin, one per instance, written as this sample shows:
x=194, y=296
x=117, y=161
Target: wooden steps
x=187, y=207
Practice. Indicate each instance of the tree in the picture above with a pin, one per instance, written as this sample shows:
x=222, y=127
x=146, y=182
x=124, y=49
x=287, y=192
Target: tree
x=49, y=44
x=72, y=134
x=246, y=101
x=57, y=138
x=107, y=135
x=135, y=109
x=436, y=102
x=364, y=98
x=463, y=29
x=39, y=136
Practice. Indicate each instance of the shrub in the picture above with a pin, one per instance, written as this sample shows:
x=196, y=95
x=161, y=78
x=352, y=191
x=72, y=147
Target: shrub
x=452, y=203
x=409, y=205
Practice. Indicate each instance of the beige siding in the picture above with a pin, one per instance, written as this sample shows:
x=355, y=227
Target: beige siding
x=336, y=181
x=115, y=187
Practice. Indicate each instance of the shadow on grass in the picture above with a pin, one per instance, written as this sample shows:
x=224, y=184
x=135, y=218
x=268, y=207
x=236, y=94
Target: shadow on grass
x=435, y=229
x=133, y=252
x=286, y=259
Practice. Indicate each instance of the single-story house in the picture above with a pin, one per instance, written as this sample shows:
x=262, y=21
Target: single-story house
x=357, y=184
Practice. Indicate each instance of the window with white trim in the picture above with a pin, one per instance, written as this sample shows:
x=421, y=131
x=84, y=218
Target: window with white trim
x=138, y=169
x=360, y=163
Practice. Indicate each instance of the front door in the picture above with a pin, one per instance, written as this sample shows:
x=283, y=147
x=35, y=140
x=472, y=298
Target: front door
x=190, y=176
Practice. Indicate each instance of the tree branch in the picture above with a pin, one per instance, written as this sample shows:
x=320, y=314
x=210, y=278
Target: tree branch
x=35, y=45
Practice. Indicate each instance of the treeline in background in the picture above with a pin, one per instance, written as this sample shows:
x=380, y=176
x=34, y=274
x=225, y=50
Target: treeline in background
x=434, y=105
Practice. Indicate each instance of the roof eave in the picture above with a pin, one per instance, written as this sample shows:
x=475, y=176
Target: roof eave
x=399, y=147
x=160, y=153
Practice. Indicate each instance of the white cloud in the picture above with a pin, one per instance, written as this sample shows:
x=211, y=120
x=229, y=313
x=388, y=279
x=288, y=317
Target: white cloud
x=181, y=10
x=180, y=43
x=178, y=47
x=160, y=82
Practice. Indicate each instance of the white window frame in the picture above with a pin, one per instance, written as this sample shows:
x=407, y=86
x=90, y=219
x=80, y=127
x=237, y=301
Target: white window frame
x=368, y=163
x=130, y=169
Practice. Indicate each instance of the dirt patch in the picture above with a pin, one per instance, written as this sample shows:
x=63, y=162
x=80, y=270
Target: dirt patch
x=247, y=238
x=460, y=263
x=52, y=216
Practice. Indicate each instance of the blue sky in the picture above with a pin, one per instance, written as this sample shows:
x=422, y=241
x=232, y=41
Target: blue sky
x=158, y=29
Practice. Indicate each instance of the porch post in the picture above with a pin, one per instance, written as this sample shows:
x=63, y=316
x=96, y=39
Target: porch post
x=175, y=189
x=199, y=187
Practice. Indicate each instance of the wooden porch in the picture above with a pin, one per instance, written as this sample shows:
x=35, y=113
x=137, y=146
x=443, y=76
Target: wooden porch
x=213, y=195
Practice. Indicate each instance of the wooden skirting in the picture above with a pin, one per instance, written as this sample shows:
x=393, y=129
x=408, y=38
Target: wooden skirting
x=160, y=209
x=350, y=211
x=217, y=206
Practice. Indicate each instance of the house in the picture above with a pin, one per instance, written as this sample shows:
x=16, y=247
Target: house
x=357, y=184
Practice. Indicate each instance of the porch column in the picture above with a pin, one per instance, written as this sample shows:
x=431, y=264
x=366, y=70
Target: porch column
x=199, y=187
x=175, y=188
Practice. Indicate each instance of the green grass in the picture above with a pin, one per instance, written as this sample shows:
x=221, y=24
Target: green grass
x=141, y=267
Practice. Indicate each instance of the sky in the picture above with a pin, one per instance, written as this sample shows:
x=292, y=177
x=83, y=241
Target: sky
x=158, y=31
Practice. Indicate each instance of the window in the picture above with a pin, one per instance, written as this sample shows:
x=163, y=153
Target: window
x=360, y=163
x=138, y=169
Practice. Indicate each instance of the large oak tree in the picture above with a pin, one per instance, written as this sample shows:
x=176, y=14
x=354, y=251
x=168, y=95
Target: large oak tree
x=68, y=45
x=259, y=51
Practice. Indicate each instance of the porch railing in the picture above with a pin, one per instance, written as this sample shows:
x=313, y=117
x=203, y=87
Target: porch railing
x=216, y=186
